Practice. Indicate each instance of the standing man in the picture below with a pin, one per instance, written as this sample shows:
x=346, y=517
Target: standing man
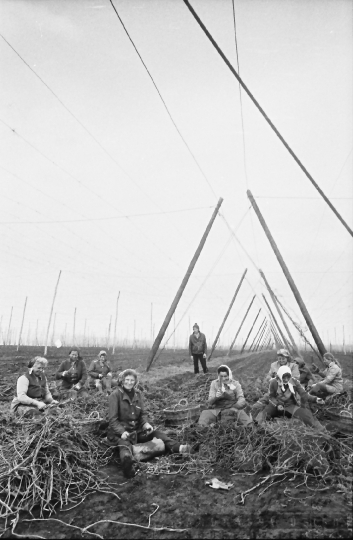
x=198, y=349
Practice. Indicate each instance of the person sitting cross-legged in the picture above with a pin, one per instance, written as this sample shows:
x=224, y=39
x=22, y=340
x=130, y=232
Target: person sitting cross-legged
x=332, y=382
x=226, y=399
x=128, y=423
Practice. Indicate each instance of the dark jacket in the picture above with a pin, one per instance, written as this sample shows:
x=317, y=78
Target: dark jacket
x=37, y=387
x=305, y=375
x=299, y=397
x=95, y=369
x=77, y=372
x=125, y=414
x=197, y=345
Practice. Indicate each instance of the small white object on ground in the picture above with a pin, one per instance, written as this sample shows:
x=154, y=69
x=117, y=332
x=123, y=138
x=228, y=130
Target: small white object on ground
x=58, y=344
x=217, y=484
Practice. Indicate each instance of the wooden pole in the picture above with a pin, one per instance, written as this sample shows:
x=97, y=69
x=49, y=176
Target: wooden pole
x=180, y=291
x=174, y=330
x=53, y=333
x=74, y=328
x=23, y=318
x=257, y=334
x=264, y=339
x=261, y=336
x=151, y=323
x=308, y=319
x=279, y=311
x=84, y=334
x=241, y=324
x=226, y=315
x=344, y=342
x=115, y=322
x=9, y=328
x=247, y=337
x=276, y=337
x=51, y=313
x=277, y=326
x=37, y=333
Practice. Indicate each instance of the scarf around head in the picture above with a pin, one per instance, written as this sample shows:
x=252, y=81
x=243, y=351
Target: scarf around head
x=282, y=370
x=230, y=383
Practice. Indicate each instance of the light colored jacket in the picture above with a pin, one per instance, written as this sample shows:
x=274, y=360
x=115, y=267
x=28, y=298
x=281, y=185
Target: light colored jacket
x=232, y=397
x=31, y=384
x=333, y=376
x=276, y=365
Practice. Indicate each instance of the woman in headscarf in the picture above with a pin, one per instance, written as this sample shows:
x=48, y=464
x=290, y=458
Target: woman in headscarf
x=286, y=397
x=128, y=423
x=226, y=399
x=32, y=391
x=332, y=377
x=100, y=373
x=73, y=375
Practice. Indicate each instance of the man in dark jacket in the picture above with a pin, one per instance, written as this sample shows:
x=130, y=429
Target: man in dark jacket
x=198, y=349
x=128, y=423
x=73, y=375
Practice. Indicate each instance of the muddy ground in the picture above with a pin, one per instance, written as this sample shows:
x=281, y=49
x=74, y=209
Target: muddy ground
x=185, y=501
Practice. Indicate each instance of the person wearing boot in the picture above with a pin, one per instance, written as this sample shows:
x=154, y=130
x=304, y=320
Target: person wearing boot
x=128, y=423
x=332, y=382
x=198, y=349
x=100, y=373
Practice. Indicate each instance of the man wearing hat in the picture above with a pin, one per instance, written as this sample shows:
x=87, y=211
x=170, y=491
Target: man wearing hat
x=100, y=373
x=198, y=349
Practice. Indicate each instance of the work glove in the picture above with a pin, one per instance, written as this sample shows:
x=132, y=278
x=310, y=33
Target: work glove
x=147, y=427
x=125, y=435
x=40, y=405
x=280, y=408
x=204, y=355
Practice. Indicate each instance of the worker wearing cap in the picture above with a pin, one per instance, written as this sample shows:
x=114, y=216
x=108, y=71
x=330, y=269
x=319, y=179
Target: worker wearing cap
x=198, y=349
x=100, y=373
x=283, y=359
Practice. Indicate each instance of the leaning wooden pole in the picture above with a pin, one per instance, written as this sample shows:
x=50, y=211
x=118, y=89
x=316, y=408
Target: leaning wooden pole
x=115, y=322
x=303, y=309
x=276, y=336
x=247, y=337
x=279, y=311
x=180, y=291
x=226, y=315
x=23, y=318
x=263, y=332
x=264, y=339
x=276, y=325
x=241, y=324
x=257, y=334
x=50, y=316
x=9, y=328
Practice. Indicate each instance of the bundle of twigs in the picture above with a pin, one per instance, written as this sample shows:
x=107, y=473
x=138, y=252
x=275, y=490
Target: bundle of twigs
x=47, y=464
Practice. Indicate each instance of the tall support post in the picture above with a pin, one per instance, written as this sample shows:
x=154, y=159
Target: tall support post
x=308, y=319
x=53, y=333
x=263, y=332
x=108, y=334
x=74, y=328
x=264, y=339
x=277, y=326
x=84, y=334
x=241, y=324
x=151, y=322
x=9, y=328
x=180, y=291
x=37, y=333
x=115, y=322
x=23, y=318
x=247, y=337
x=344, y=342
x=279, y=311
x=226, y=315
x=257, y=334
x=50, y=316
x=276, y=337
x=174, y=330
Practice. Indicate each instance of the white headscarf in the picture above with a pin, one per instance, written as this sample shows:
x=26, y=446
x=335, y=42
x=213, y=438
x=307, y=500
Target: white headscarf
x=282, y=370
x=230, y=382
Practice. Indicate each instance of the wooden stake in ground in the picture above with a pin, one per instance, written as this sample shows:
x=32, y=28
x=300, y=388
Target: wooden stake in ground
x=226, y=315
x=115, y=322
x=276, y=325
x=9, y=328
x=23, y=318
x=303, y=309
x=257, y=334
x=247, y=337
x=241, y=324
x=263, y=332
x=51, y=313
x=180, y=291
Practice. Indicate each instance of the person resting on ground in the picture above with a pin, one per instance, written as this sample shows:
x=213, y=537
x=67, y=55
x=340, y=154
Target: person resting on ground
x=100, y=373
x=288, y=398
x=32, y=392
x=332, y=375
x=128, y=423
x=226, y=399
x=305, y=376
x=283, y=359
x=73, y=375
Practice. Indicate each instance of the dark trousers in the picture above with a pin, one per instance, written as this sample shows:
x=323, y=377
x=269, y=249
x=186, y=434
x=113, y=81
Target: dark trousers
x=125, y=446
x=196, y=358
x=305, y=415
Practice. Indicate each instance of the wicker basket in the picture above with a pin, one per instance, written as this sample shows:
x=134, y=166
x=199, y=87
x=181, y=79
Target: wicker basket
x=181, y=413
x=91, y=424
x=343, y=418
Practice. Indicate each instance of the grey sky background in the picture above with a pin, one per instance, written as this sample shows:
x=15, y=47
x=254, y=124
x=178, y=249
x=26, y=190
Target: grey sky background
x=120, y=204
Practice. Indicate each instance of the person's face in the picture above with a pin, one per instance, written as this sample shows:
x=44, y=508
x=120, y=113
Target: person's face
x=282, y=360
x=285, y=378
x=73, y=355
x=129, y=382
x=38, y=369
x=327, y=362
x=195, y=330
x=103, y=357
x=223, y=377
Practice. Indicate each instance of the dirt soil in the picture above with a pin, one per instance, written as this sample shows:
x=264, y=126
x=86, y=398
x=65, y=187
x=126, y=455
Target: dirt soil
x=185, y=501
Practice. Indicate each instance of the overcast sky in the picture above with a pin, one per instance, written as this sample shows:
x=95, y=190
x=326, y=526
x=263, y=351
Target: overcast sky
x=97, y=182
